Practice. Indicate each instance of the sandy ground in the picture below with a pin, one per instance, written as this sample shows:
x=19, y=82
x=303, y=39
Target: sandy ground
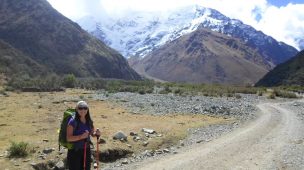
x=272, y=141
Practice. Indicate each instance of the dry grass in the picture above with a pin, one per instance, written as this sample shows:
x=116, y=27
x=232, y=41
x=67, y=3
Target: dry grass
x=32, y=117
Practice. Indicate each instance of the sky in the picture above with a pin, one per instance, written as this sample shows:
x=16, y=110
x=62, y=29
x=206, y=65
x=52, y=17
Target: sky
x=281, y=19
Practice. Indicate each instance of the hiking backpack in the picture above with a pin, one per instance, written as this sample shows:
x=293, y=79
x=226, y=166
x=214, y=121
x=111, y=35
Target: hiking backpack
x=62, y=140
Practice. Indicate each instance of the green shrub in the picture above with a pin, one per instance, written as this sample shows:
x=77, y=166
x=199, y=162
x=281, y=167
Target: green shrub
x=260, y=93
x=285, y=94
x=18, y=150
x=271, y=95
x=229, y=95
x=238, y=96
x=150, y=90
x=142, y=91
x=49, y=82
x=69, y=81
x=178, y=91
x=3, y=92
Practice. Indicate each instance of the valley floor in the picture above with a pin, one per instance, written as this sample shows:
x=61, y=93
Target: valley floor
x=193, y=132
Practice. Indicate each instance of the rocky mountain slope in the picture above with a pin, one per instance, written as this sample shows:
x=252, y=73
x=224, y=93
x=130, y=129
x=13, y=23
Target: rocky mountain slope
x=52, y=41
x=288, y=73
x=174, y=47
x=204, y=56
x=14, y=61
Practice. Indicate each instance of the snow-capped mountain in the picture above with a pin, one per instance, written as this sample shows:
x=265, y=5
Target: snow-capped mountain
x=139, y=33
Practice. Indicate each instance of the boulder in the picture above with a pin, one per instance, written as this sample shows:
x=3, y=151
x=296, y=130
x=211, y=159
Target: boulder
x=120, y=136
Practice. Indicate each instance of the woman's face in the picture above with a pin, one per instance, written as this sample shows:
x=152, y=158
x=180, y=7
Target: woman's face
x=82, y=111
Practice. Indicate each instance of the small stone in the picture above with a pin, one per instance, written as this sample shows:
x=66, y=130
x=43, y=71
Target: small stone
x=59, y=166
x=150, y=131
x=129, y=145
x=148, y=153
x=45, y=140
x=166, y=150
x=133, y=134
x=125, y=161
x=136, y=138
x=27, y=160
x=159, y=135
x=175, y=152
x=39, y=165
x=47, y=151
x=199, y=141
x=42, y=156
x=145, y=143
x=158, y=151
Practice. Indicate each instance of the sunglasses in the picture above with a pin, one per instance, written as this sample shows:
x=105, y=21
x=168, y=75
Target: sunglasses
x=82, y=108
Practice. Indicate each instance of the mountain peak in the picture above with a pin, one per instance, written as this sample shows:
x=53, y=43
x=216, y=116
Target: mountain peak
x=140, y=33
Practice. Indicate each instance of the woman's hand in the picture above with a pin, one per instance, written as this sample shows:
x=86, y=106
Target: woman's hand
x=85, y=135
x=97, y=132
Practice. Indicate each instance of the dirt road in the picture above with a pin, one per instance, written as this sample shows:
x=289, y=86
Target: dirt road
x=273, y=141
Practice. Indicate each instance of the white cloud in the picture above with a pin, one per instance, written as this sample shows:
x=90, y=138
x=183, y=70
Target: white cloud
x=143, y=5
x=70, y=8
x=284, y=24
x=75, y=9
x=238, y=9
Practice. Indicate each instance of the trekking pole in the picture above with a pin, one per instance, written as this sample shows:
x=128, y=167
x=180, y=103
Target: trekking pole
x=97, y=150
x=85, y=155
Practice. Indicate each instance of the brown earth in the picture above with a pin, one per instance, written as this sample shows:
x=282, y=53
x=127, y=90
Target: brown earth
x=204, y=56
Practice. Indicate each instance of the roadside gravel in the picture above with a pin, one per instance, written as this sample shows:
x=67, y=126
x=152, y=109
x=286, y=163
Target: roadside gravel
x=160, y=104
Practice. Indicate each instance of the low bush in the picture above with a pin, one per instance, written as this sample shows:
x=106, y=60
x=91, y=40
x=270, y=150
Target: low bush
x=285, y=94
x=18, y=150
x=271, y=95
x=260, y=93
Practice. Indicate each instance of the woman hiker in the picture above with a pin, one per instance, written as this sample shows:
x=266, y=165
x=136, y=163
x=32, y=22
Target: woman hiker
x=78, y=131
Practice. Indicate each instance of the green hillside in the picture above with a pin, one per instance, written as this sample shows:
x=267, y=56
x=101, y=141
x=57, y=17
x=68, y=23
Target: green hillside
x=288, y=73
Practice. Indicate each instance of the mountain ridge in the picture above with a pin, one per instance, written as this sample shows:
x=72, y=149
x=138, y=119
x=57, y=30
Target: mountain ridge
x=204, y=56
x=58, y=44
x=142, y=33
